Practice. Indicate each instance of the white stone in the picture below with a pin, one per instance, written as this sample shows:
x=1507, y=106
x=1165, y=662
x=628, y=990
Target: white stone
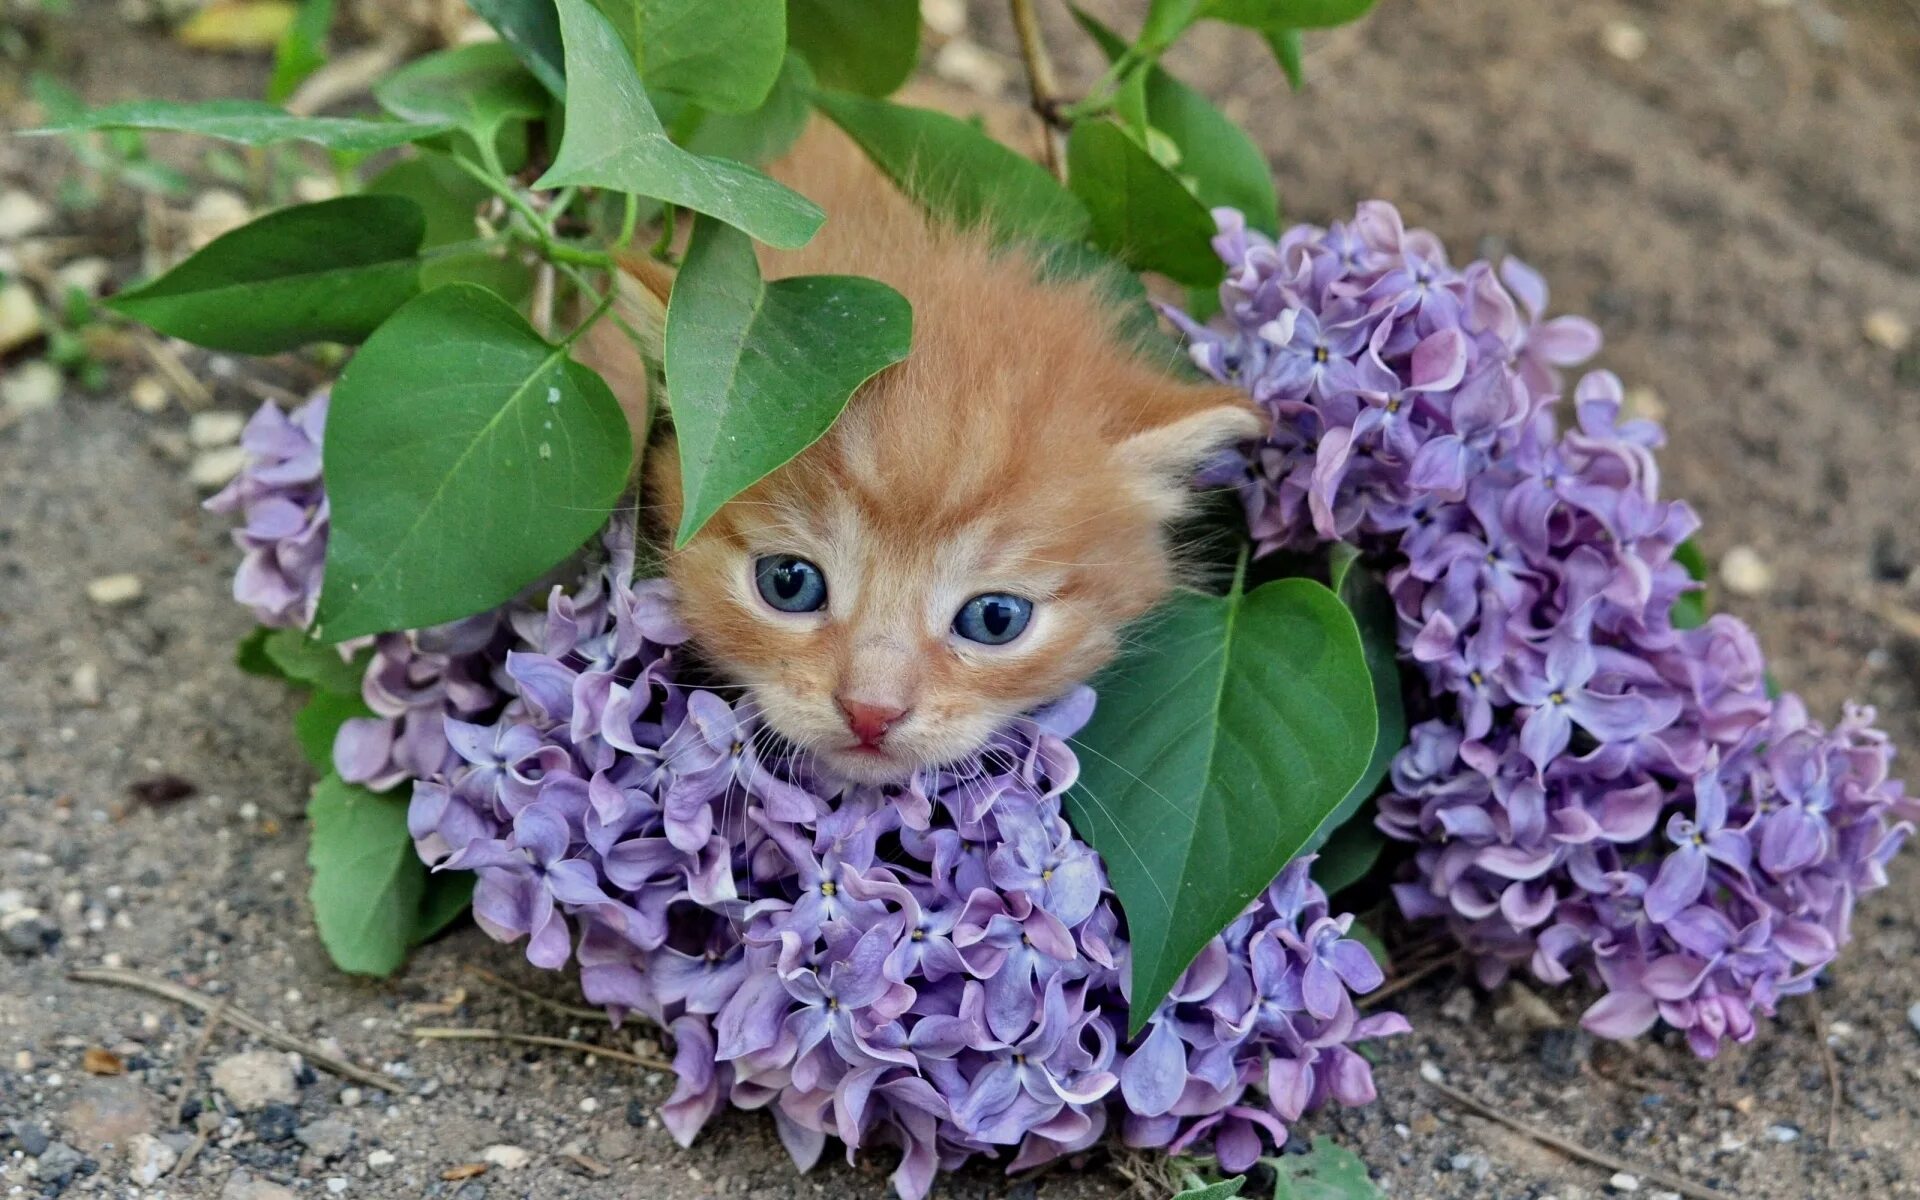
x=111, y=590
x=85, y=683
x=1783, y=1134
x=1913, y=1016
x=256, y=1079
x=1624, y=40
x=214, y=468
x=380, y=1160
x=149, y=1158
x=31, y=387
x=208, y=430
x=1744, y=572
x=86, y=275
x=148, y=394
x=22, y=214
x=507, y=1158
x=1623, y=1182
x=948, y=18
x=1887, y=329
x=20, y=320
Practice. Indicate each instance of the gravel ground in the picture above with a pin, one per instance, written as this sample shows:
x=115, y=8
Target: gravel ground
x=1728, y=188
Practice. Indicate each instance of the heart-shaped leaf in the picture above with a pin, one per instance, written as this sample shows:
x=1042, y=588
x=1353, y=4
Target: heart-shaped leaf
x=475, y=88
x=1140, y=211
x=615, y=140
x=330, y=271
x=758, y=371
x=368, y=883
x=464, y=456
x=248, y=122
x=532, y=29
x=955, y=171
x=864, y=46
x=723, y=57
x=1224, y=164
x=1217, y=748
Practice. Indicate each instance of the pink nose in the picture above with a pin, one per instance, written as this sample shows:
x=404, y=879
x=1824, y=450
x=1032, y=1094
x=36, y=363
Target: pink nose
x=869, y=722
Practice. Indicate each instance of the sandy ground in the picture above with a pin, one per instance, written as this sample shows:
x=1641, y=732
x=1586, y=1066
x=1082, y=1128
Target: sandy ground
x=1731, y=202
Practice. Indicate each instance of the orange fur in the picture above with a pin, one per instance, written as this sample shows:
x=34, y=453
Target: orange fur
x=1021, y=447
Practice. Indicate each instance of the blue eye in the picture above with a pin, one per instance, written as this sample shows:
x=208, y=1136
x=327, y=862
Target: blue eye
x=790, y=583
x=993, y=619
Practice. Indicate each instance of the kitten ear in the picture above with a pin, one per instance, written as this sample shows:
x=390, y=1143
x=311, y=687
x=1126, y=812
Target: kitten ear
x=1181, y=429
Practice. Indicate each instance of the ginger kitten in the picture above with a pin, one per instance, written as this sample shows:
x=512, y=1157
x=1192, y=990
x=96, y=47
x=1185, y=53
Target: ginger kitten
x=970, y=538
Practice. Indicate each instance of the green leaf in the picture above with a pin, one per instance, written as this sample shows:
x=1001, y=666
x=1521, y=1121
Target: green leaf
x=758, y=371
x=1274, y=15
x=1226, y=1189
x=1326, y=1172
x=955, y=171
x=448, y=896
x=314, y=664
x=765, y=133
x=451, y=198
x=723, y=57
x=532, y=29
x=250, y=654
x=330, y=271
x=248, y=122
x=464, y=457
x=1691, y=610
x=1349, y=855
x=1166, y=21
x=302, y=49
x=864, y=46
x=1365, y=596
x=1285, y=45
x=1218, y=746
x=476, y=89
x=320, y=719
x=367, y=881
x=1224, y=164
x=1140, y=211
x=614, y=139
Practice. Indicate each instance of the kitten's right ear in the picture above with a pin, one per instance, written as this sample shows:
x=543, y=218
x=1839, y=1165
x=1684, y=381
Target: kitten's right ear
x=1183, y=428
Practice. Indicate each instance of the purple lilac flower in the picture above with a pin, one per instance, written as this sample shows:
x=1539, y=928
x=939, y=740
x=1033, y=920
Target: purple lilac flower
x=939, y=969
x=283, y=513
x=1596, y=791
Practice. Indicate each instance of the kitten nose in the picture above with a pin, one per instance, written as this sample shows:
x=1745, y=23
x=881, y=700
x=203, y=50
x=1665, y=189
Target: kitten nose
x=869, y=722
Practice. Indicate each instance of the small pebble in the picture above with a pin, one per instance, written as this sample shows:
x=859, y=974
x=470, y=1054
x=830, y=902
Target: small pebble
x=20, y=320
x=507, y=1158
x=34, y=1139
x=948, y=18
x=1913, y=1016
x=637, y=1112
x=149, y=1158
x=31, y=387
x=1887, y=329
x=1783, y=1133
x=379, y=1160
x=215, y=428
x=214, y=468
x=22, y=214
x=350, y=1097
x=1624, y=1183
x=110, y=591
x=1459, y=1007
x=326, y=1139
x=85, y=683
x=1624, y=40
x=337, y=1185
x=1432, y=1073
x=276, y=1123
x=148, y=394
x=589, y=1105
x=257, y=1079
x=1744, y=572
x=85, y=275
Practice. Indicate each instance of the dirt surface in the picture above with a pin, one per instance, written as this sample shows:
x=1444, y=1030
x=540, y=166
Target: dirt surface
x=1735, y=203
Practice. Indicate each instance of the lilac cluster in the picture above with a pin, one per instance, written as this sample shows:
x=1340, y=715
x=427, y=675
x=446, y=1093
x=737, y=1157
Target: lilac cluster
x=282, y=508
x=939, y=967
x=1597, y=790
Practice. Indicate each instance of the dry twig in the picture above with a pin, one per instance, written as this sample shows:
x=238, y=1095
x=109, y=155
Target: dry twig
x=1041, y=78
x=1572, y=1149
x=575, y=1011
x=447, y=1033
x=1401, y=983
x=239, y=1019
x=1832, y=1065
x=191, y=1068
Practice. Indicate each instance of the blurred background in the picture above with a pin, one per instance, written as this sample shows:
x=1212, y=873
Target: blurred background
x=1731, y=189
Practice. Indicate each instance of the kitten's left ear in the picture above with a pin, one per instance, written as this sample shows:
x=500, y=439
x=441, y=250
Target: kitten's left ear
x=1183, y=427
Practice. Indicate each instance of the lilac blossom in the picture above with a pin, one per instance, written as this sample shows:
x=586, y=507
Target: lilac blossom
x=937, y=969
x=1593, y=791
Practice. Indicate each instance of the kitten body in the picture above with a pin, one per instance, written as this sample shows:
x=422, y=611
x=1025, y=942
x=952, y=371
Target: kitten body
x=1021, y=451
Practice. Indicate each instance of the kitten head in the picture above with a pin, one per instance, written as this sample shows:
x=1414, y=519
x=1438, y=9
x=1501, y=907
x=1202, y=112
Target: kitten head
x=967, y=542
